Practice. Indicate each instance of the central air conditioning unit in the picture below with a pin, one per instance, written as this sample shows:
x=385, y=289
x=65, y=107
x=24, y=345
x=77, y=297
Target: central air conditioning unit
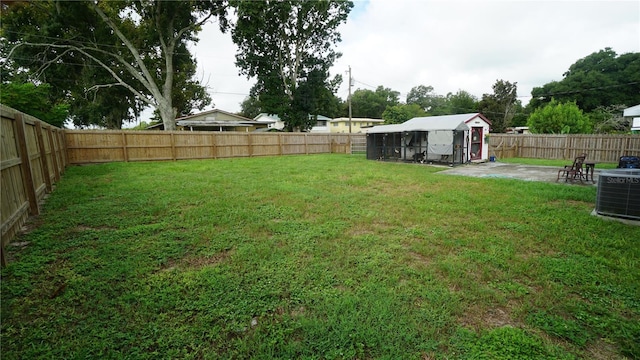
x=619, y=193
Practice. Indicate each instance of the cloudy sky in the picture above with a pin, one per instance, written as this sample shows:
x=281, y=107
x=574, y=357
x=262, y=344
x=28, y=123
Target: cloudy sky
x=450, y=45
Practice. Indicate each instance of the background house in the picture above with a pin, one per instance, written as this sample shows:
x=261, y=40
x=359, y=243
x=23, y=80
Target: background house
x=213, y=120
x=358, y=125
x=273, y=122
x=633, y=113
x=322, y=124
x=218, y=120
x=452, y=139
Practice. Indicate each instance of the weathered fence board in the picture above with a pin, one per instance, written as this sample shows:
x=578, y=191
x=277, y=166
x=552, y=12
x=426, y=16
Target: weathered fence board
x=599, y=148
x=85, y=146
x=32, y=159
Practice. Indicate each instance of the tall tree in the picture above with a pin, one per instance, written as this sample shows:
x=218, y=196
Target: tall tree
x=600, y=79
x=429, y=101
x=462, y=102
x=137, y=45
x=371, y=104
x=500, y=107
x=288, y=47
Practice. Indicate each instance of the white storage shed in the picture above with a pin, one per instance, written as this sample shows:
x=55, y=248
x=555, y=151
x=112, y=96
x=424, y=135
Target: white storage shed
x=451, y=139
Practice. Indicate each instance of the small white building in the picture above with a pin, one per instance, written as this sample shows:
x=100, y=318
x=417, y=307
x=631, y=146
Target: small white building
x=634, y=114
x=452, y=139
x=273, y=122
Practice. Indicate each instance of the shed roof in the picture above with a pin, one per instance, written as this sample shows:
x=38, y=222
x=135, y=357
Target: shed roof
x=431, y=123
x=632, y=111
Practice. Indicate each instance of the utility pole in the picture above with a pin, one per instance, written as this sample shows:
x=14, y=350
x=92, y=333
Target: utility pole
x=349, y=98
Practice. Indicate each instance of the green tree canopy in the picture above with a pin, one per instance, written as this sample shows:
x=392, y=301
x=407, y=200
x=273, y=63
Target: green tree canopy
x=462, y=102
x=601, y=79
x=559, y=118
x=288, y=47
x=250, y=107
x=35, y=101
x=398, y=114
x=89, y=51
x=371, y=104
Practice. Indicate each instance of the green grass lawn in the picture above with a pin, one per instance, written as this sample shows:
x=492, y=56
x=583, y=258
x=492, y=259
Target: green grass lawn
x=318, y=257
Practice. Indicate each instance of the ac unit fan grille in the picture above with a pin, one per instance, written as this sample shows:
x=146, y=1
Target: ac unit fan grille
x=619, y=193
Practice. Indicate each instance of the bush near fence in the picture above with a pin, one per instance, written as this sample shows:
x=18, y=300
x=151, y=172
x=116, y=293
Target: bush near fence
x=32, y=159
x=599, y=148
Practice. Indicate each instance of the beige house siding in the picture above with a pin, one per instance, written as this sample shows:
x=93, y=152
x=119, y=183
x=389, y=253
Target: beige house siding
x=358, y=125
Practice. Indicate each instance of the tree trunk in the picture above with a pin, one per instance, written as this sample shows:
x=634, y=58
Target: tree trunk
x=168, y=115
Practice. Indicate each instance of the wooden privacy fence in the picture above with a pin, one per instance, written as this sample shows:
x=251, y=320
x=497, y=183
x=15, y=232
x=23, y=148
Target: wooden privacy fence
x=107, y=146
x=32, y=158
x=599, y=148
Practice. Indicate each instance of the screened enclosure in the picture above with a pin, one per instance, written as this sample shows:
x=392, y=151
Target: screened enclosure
x=437, y=139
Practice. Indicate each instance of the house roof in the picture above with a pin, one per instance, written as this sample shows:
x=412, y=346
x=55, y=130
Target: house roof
x=211, y=115
x=632, y=111
x=267, y=117
x=431, y=123
x=206, y=119
x=357, y=120
x=217, y=123
x=274, y=117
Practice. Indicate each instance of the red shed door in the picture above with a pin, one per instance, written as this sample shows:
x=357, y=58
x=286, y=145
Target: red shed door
x=476, y=143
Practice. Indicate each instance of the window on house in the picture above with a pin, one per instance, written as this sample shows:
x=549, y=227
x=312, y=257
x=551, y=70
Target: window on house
x=335, y=124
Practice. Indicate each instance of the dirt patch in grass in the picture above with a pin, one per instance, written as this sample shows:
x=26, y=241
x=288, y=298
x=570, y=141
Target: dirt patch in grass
x=419, y=258
x=478, y=318
x=601, y=350
x=571, y=203
x=356, y=231
x=198, y=262
x=82, y=228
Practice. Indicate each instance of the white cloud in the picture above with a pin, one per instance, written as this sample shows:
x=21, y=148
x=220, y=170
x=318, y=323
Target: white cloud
x=453, y=45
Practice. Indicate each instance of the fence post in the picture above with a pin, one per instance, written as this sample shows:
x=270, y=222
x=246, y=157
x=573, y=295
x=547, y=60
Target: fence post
x=54, y=157
x=44, y=163
x=63, y=147
x=279, y=144
x=60, y=152
x=626, y=148
x=173, y=147
x=249, y=144
x=214, y=145
x=25, y=165
x=125, y=149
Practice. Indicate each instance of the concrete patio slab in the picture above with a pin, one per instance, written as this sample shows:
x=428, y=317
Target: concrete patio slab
x=513, y=171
